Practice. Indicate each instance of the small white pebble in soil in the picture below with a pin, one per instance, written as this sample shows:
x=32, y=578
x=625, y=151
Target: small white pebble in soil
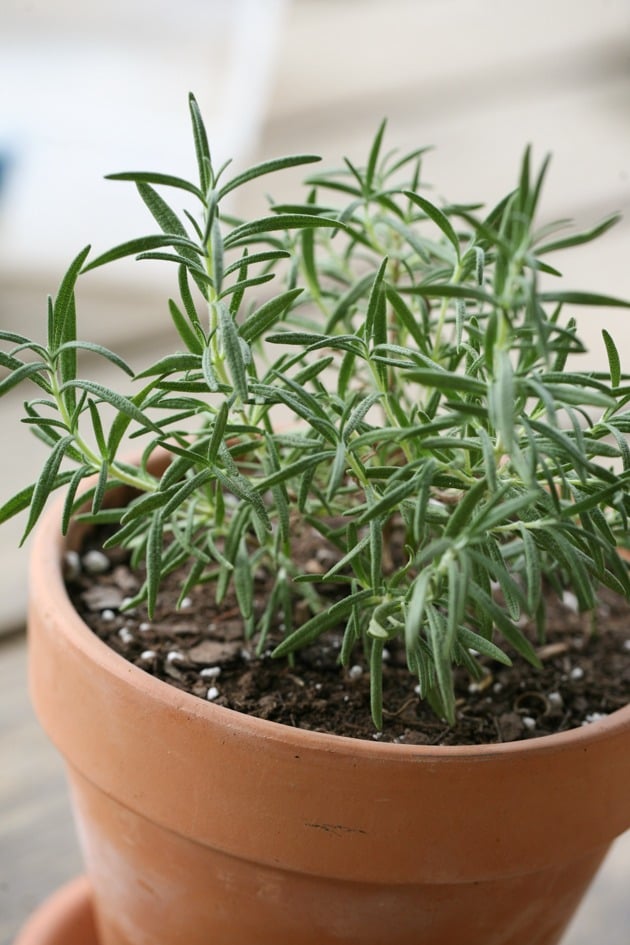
x=147, y=656
x=576, y=673
x=498, y=687
x=570, y=601
x=346, y=698
x=126, y=635
x=108, y=615
x=95, y=562
x=71, y=565
x=210, y=672
x=313, y=566
x=144, y=627
x=386, y=655
x=174, y=656
x=626, y=644
x=554, y=698
x=212, y=694
x=377, y=736
x=318, y=686
x=416, y=689
x=355, y=672
x=529, y=723
x=594, y=717
x=186, y=603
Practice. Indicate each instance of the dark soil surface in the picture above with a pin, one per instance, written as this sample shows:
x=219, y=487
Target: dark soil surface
x=585, y=675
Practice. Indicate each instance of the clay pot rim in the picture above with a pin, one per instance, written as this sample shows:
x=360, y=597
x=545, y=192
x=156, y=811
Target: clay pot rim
x=68, y=906
x=49, y=539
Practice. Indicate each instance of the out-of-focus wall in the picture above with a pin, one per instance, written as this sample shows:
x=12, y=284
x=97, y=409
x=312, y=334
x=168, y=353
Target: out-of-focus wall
x=90, y=88
x=478, y=80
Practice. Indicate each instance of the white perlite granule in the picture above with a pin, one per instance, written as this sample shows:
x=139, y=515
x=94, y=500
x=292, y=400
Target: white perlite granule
x=95, y=562
x=210, y=672
x=594, y=717
x=174, y=656
x=71, y=565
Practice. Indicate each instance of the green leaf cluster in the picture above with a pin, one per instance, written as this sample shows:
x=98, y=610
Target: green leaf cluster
x=396, y=373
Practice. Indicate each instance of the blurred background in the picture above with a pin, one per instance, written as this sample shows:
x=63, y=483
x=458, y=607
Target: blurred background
x=89, y=89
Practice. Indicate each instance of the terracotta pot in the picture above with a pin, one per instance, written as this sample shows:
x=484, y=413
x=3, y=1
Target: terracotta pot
x=66, y=918
x=200, y=824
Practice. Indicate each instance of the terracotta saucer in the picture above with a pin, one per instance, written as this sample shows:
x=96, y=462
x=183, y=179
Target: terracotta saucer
x=65, y=918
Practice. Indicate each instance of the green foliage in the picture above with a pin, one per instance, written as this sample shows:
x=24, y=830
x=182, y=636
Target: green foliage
x=421, y=376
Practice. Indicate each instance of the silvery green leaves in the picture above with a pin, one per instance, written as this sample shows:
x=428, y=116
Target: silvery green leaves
x=219, y=348
x=365, y=364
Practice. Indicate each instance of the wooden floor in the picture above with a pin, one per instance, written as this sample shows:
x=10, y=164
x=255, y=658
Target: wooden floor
x=476, y=78
x=38, y=850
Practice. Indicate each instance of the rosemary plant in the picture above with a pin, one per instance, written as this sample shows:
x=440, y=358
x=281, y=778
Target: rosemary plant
x=428, y=390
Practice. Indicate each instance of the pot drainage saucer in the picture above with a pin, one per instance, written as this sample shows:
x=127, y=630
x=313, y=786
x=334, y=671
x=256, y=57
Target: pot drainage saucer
x=66, y=918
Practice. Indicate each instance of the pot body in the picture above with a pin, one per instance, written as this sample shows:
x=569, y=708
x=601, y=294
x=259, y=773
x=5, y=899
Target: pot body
x=200, y=824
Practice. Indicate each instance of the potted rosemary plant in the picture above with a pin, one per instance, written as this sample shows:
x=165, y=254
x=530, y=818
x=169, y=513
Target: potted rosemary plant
x=369, y=466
